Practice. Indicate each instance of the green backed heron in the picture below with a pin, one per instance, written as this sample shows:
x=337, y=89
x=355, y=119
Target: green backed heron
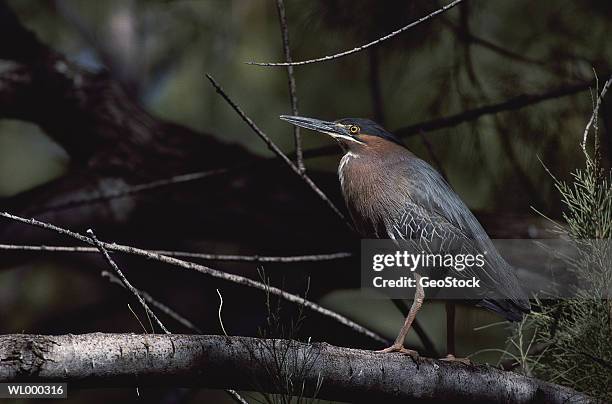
x=392, y=194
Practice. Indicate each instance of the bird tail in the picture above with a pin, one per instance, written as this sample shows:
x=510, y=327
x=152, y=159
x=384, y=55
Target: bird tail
x=512, y=310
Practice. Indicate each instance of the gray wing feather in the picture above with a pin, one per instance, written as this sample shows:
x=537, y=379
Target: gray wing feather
x=434, y=211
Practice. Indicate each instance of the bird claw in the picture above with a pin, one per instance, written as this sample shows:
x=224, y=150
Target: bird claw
x=452, y=358
x=402, y=350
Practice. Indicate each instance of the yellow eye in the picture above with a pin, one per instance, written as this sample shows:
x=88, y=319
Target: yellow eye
x=354, y=129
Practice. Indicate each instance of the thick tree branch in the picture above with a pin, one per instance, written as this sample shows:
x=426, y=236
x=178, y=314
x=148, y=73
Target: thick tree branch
x=129, y=169
x=143, y=301
x=245, y=363
x=121, y=155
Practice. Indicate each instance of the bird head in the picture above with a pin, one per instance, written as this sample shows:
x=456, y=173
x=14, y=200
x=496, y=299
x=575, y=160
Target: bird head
x=353, y=134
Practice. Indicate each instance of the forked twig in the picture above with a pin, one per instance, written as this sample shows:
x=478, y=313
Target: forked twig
x=360, y=48
x=100, y=246
x=241, y=280
x=157, y=304
x=123, y=280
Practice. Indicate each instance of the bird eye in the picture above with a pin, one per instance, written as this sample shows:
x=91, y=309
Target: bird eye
x=354, y=129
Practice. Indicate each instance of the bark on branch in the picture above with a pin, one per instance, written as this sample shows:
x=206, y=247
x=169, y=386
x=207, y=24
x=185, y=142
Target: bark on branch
x=264, y=365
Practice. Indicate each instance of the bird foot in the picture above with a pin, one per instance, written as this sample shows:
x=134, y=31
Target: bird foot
x=400, y=349
x=452, y=358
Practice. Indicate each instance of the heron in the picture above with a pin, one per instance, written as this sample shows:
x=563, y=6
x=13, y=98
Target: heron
x=391, y=193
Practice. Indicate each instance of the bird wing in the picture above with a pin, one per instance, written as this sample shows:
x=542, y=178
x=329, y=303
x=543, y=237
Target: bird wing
x=433, y=211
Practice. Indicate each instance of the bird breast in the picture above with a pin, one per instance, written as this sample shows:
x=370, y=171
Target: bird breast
x=371, y=192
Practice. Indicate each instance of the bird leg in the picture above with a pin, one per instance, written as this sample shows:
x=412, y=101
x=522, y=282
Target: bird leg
x=398, y=345
x=450, y=336
x=450, y=328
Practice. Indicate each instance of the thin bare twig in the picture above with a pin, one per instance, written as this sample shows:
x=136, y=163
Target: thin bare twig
x=274, y=148
x=100, y=246
x=505, y=52
x=157, y=304
x=468, y=36
x=510, y=104
x=368, y=45
x=593, y=120
x=183, y=254
x=282, y=18
x=123, y=280
x=241, y=280
x=134, y=189
x=138, y=319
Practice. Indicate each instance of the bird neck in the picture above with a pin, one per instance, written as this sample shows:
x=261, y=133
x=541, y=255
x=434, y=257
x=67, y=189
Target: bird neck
x=371, y=180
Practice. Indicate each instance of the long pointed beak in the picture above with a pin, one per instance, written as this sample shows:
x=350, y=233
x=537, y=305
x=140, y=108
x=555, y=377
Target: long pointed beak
x=330, y=128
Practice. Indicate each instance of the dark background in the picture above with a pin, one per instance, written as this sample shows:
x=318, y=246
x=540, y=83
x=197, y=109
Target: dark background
x=119, y=98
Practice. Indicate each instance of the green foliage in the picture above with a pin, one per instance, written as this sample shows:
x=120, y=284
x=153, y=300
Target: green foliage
x=589, y=203
x=578, y=347
x=570, y=341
